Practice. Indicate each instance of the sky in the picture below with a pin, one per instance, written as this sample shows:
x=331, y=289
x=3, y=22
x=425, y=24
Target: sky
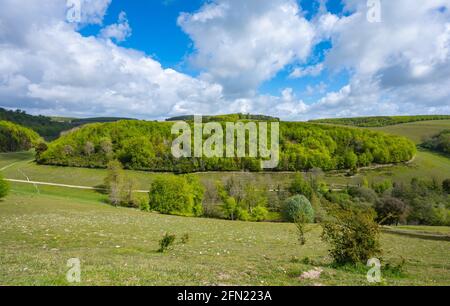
x=297, y=60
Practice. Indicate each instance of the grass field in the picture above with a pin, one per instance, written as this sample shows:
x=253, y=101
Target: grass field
x=416, y=131
x=39, y=233
x=41, y=227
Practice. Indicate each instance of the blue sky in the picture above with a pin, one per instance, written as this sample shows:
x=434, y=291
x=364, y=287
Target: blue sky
x=294, y=59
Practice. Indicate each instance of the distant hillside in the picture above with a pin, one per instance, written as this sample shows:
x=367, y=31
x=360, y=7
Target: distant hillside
x=48, y=127
x=229, y=118
x=380, y=121
x=14, y=138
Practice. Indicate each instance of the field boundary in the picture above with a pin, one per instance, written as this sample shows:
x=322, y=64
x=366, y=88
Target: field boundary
x=413, y=234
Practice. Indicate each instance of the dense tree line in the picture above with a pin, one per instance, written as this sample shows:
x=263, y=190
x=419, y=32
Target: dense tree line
x=381, y=121
x=14, y=138
x=44, y=126
x=142, y=145
x=439, y=143
x=48, y=127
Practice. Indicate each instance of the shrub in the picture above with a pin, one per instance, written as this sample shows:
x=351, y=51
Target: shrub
x=446, y=186
x=352, y=233
x=391, y=211
x=144, y=205
x=382, y=187
x=185, y=238
x=259, y=213
x=300, y=223
x=166, y=242
x=363, y=194
x=4, y=188
x=179, y=195
x=298, y=206
x=300, y=187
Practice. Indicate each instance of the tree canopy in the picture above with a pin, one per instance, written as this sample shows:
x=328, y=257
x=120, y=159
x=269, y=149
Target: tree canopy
x=143, y=145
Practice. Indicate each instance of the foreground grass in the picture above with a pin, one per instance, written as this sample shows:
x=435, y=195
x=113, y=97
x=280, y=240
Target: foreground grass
x=116, y=246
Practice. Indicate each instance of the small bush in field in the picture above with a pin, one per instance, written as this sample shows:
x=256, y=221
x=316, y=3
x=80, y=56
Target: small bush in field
x=144, y=205
x=166, y=242
x=185, y=238
x=259, y=213
x=301, y=222
x=446, y=186
x=353, y=235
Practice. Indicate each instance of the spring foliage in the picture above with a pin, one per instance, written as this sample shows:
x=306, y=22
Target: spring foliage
x=176, y=195
x=14, y=138
x=141, y=145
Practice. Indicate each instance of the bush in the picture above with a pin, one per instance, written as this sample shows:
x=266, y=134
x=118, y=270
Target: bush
x=391, y=211
x=4, y=188
x=353, y=235
x=446, y=186
x=259, y=213
x=166, y=242
x=296, y=207
x=176, y=195
x=382, y=187
x=363, y=194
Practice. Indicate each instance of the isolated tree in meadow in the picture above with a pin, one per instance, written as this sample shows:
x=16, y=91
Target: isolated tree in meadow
x=114, y=182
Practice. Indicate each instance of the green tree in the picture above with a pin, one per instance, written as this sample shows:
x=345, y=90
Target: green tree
x=391, y=211
x=296, y=207
x=115, y=182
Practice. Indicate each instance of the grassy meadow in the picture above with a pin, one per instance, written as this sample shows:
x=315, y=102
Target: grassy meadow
x=39, y=233
x=41, y=227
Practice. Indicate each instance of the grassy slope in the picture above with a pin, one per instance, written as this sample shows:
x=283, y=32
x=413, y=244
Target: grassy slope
x=416, y=131
x=38, y=234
